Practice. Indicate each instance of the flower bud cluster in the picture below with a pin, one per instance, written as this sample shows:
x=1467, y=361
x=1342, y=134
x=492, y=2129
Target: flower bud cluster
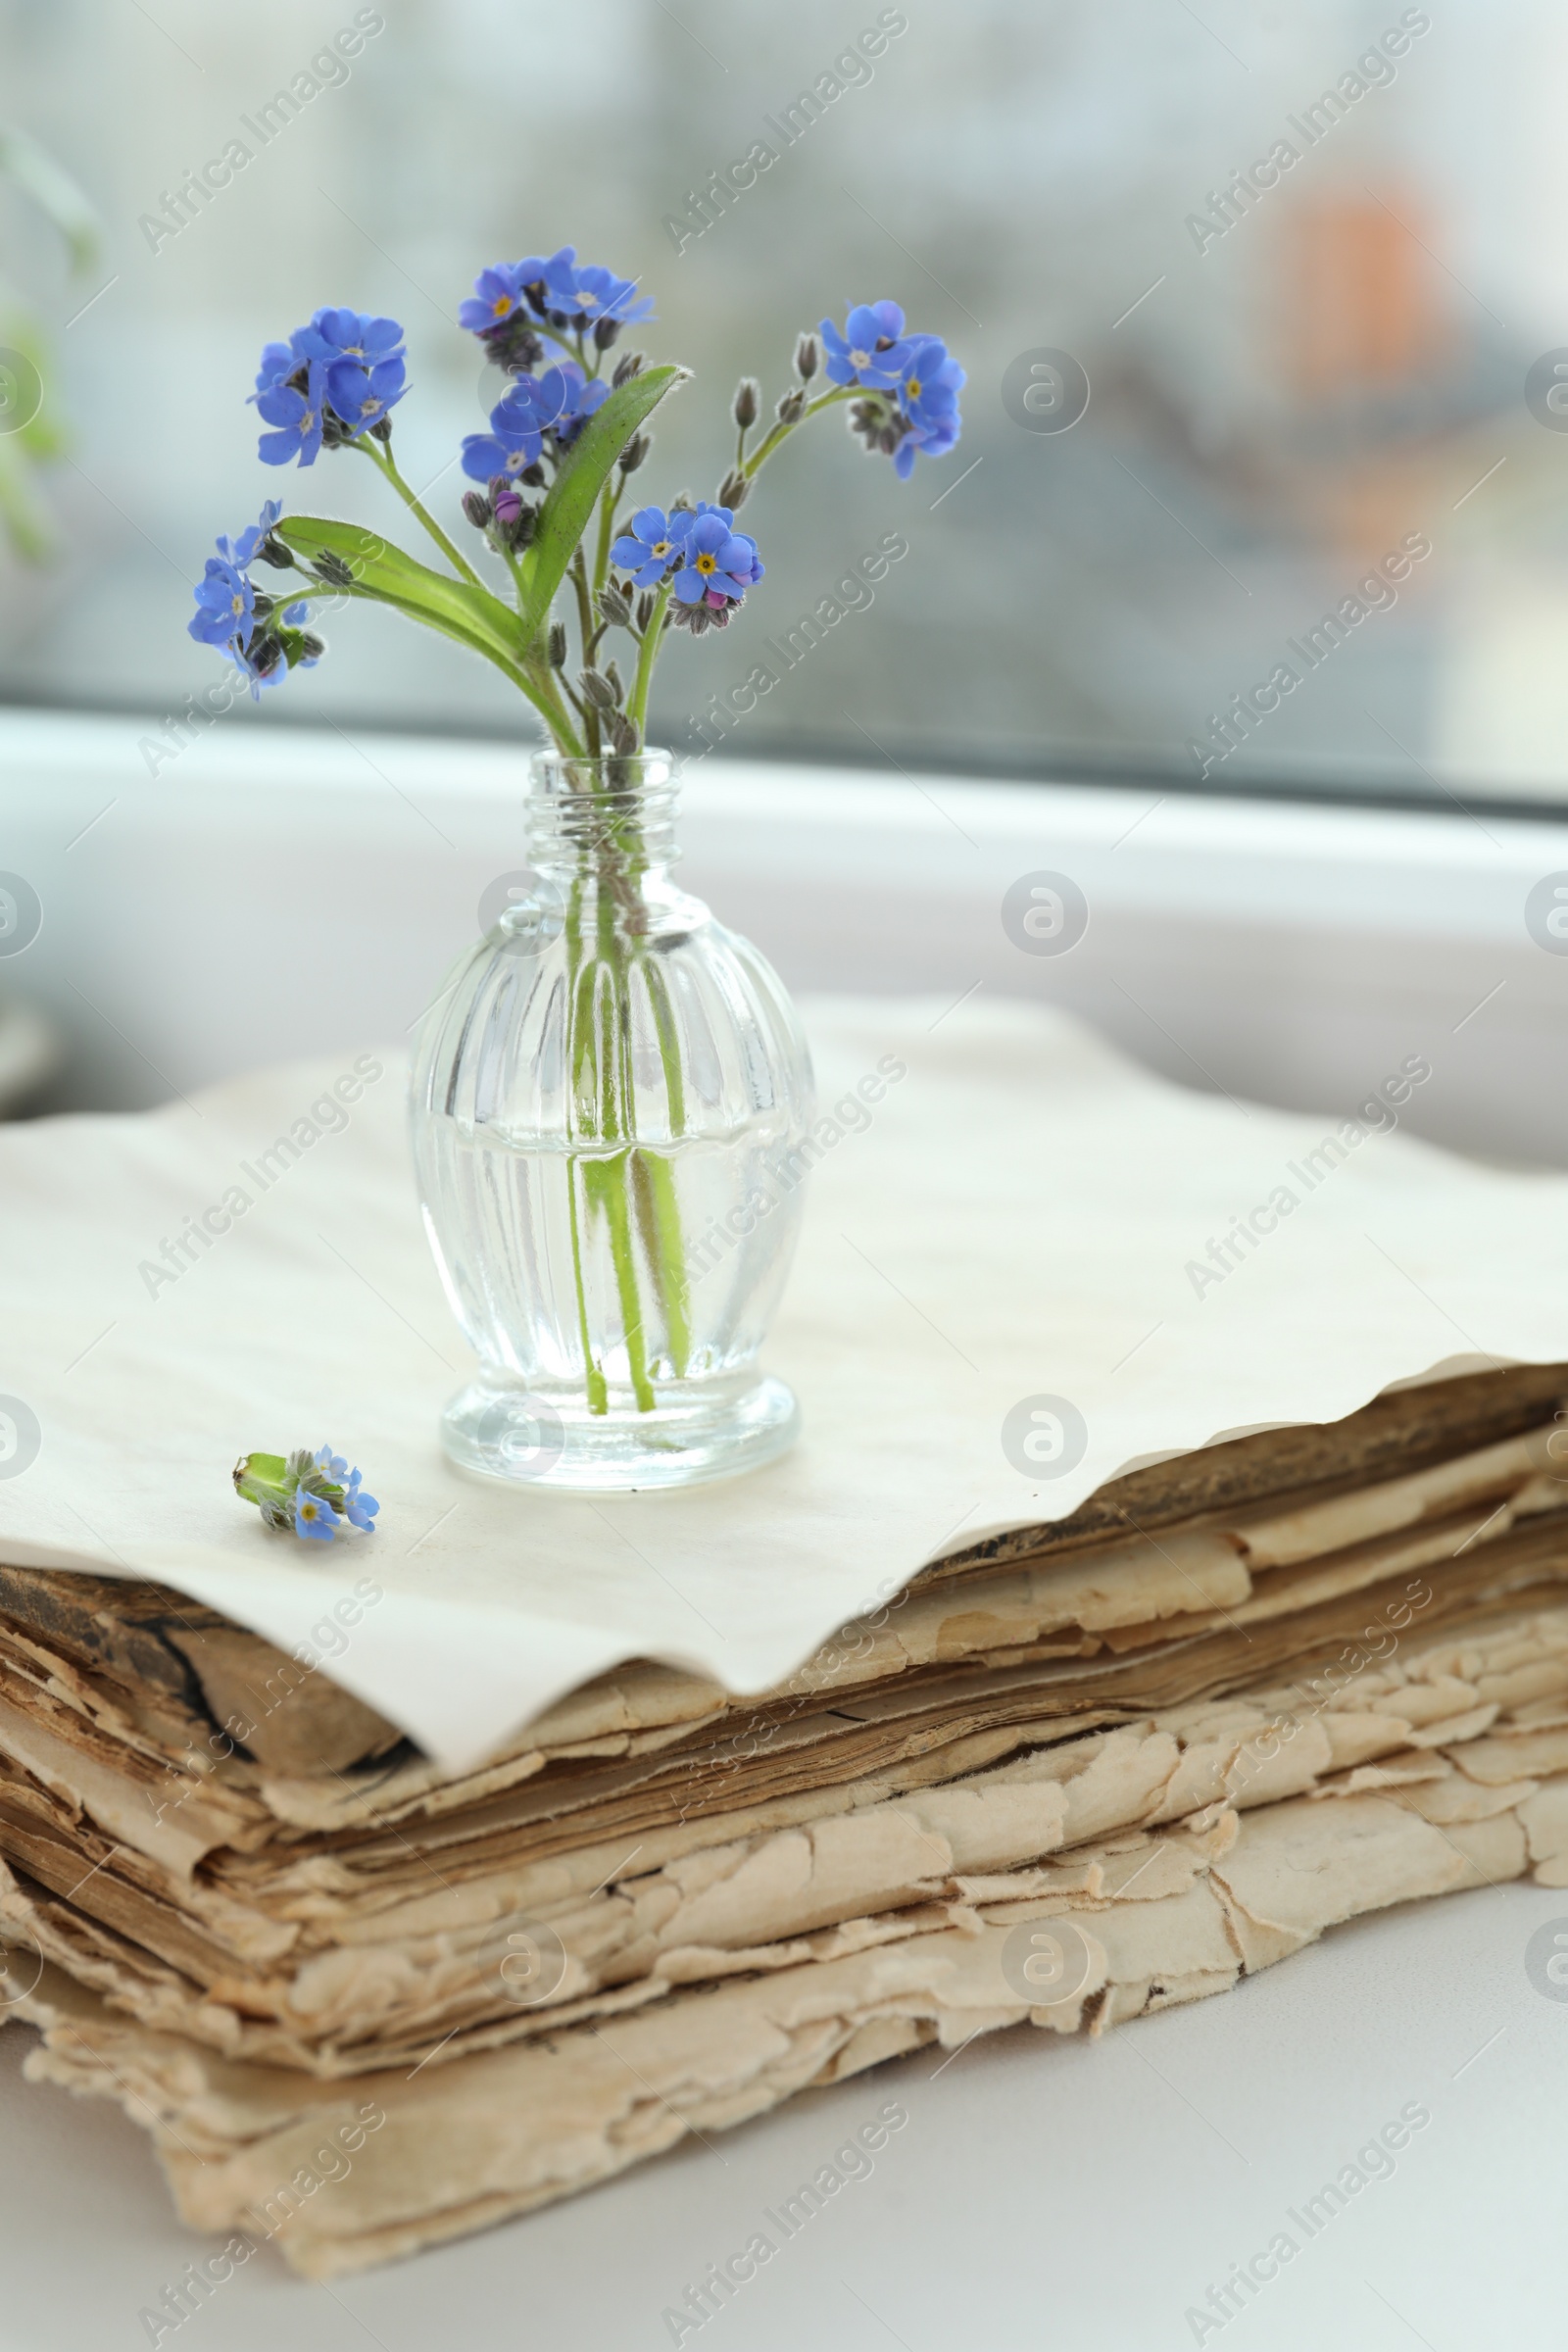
x=313, y=1496
x=263, y=635
x=911, y=385
x=331, y=381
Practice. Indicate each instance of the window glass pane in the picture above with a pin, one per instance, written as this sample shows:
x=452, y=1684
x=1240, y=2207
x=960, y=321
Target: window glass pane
x=1309, y=529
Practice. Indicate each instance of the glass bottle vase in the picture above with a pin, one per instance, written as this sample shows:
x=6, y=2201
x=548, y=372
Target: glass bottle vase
x=609, y=1101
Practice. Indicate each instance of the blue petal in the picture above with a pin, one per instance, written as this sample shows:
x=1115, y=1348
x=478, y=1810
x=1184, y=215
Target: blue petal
x=885, y=368
x=346, y=386
x=276, y=360
x=482, y=457
x=327, y=333
x=556, y=394
x=280, y=404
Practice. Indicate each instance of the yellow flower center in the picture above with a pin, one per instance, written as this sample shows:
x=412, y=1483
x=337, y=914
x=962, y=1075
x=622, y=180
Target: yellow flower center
x=500, y=306
x=661, y=547
x=707, y=563
x=236, y=604
x=913, y=387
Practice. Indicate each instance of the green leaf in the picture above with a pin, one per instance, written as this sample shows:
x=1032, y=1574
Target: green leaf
x=566, y=511
x=54, y=191
x=23, y=525
x=268, y=1468
x=473, y=616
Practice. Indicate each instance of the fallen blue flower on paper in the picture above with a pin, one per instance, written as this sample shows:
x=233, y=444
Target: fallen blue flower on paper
x=315, y=1496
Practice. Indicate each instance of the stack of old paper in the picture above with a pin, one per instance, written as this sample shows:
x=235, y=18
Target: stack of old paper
x=363, y=2001
x=399, y=1886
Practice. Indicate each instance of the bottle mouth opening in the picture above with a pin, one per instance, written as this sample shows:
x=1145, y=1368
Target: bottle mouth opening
x=612, y=802
x=606, y=772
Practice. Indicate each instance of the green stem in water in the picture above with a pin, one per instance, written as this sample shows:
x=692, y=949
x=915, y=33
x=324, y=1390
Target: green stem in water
x=582, y=1036
x=579, y=1033
x=658, y=1202
x=603, y=1117
x=593, y=1372
x=633, y=1189
x=661, y=1212
x=584, y=1051
x=612, y=1176
x=609, y=1179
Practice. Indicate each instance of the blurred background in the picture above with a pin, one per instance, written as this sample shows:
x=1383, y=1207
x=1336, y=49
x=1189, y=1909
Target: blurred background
x=1310, y=260
x=1276, y=401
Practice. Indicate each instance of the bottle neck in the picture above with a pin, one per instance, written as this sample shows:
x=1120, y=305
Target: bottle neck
x=586, y=817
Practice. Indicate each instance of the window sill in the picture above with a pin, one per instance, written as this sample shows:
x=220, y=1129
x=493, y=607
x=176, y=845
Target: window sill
x=272, y=892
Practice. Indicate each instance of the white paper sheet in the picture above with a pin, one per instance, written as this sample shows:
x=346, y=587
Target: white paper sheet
x=1025, y=1215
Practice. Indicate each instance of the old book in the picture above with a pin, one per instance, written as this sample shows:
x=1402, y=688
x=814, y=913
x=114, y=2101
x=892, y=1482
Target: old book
x=1197, y=1860
x=249, y=1931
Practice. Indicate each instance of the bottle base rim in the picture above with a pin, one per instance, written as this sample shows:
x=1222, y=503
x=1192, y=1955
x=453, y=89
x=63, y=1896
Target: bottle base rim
x=510, y=1434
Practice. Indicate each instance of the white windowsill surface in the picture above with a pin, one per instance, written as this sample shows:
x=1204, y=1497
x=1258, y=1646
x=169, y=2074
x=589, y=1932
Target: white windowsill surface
x=272, y=893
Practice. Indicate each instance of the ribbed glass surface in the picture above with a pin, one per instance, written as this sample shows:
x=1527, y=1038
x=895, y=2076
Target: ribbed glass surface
x=609, y=1101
